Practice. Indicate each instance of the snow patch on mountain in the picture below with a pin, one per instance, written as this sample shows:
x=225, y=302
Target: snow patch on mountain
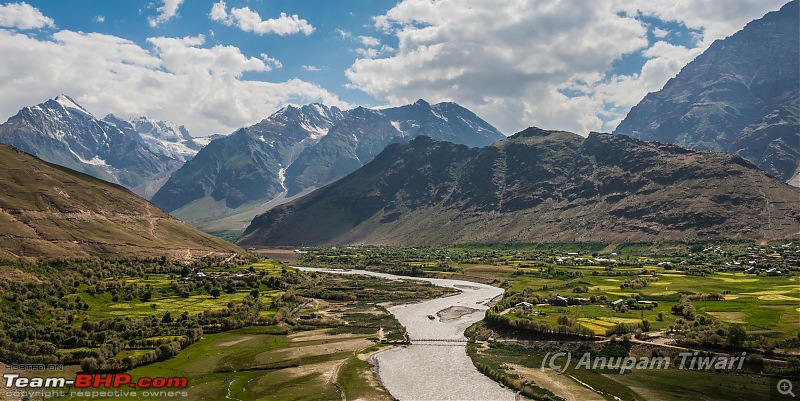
x=94, y=161
x=162, y=137
x=270, y=143
x=316, y=132
x=203, y=141
x=439, y=115
x=67, y=103
x=166, y=137
x=282, y=178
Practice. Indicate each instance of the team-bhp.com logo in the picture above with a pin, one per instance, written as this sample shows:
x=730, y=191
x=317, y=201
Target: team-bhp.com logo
x=89, y=385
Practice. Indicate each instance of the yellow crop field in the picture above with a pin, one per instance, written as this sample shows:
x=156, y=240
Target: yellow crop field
x=778, y=298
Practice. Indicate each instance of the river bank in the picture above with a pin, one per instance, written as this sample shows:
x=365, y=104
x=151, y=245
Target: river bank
x=436, y=370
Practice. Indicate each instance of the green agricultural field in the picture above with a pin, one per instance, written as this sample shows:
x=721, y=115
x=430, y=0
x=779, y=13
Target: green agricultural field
x=675, y=297
x=101, y=307
x=268, y=363
x=765, y=305
x=661, y=384
x=248, y=364
x=246, y=329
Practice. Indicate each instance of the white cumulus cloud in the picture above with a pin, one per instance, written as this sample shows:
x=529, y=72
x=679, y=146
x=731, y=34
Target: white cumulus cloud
x=271, y=61
x=519, y=63
x=23, y=16
x=717, y=19
x=369, y=41
x=343, y=34
x=167, y=11
x=178, y=79
x=250, y=21
x=664, y=62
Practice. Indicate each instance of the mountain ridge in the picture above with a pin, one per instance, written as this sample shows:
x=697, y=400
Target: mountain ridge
x=741, y=96
x=61, y=131
x=296, y=150
x=238, y=169
x=536, y=186
x=164, y=137
x=51, y=211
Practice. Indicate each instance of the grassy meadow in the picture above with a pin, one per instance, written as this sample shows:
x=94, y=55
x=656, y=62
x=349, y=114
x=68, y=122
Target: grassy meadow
x=264, y=363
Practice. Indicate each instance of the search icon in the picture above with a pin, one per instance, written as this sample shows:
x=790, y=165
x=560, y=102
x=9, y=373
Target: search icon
x=785, y=387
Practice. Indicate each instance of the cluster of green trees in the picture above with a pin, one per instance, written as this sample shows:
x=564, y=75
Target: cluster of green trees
x=625, y=328
x=364, y=288
x=512, y=298
x=619, y=273
x=684, y=308
x=637, y=283
x=550, y=271
x=679, y=256
x=45, y=319
x=566, y=327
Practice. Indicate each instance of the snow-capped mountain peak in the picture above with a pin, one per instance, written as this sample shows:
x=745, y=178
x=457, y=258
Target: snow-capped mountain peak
x=63, y=132
x=315, y=118
x=70, y=105
x=162, y=137
x=166, y=130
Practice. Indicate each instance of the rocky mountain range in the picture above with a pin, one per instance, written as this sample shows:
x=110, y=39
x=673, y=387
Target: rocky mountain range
x=741, y=96
x=365, y=133
x=138, y=154
x=537, y=186
x=49, y=211
x=298, y=149
x=163, y=137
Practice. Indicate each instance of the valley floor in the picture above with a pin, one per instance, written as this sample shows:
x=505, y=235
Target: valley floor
x=637, y=300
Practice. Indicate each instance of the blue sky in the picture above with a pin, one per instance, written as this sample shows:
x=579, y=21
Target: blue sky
x=215, y=66
x=325, y=48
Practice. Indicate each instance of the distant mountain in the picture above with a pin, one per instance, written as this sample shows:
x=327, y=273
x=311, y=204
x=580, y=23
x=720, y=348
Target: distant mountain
x=365, y=133
x=351, y=142
x=62, y=132
x=445, y=121
x=162, y=137
x=205, y=140
x=49, y=211
x=297, y=150
x=537, y=186
x=741, y=96
x=245, y=169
